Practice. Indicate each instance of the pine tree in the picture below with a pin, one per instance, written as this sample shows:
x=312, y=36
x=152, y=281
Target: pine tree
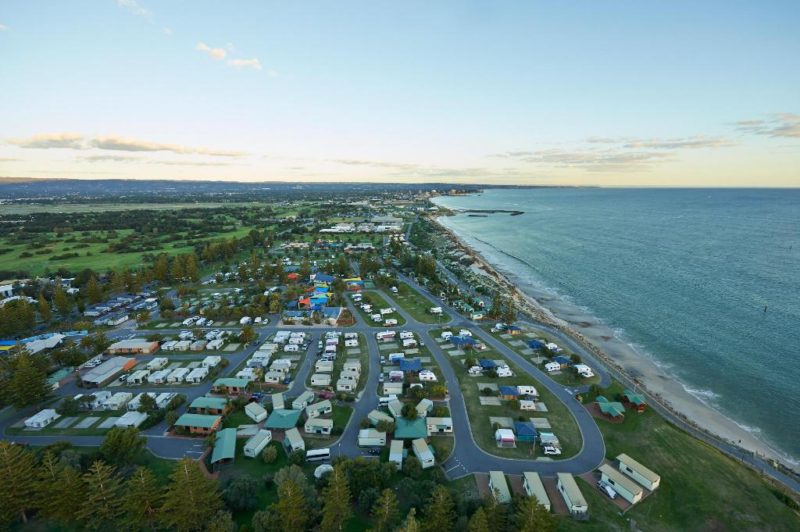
x=191, y=268
x=121, y=445
x=44, y=308
x=143, y=497
x=101, y=502
x=28, y=384
x=478, y=522
x=161, y=269
x=93, y=291
x=291, y=507
x=336, y=509
x=176, y=272
x=65, y=497
x=411, y=524
x=191, y=499
x=47, y=479
x=18, y=471
x=221, y=522
x=386, y=511
x=533, y=517
x=305, y=268
x=440, y=513
x=60, y=299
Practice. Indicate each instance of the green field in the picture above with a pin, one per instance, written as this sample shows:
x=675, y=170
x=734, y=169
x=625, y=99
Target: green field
x=95, y=255
x=417, y=305
x=701, y=489
x=562, y=422
x=378, y=302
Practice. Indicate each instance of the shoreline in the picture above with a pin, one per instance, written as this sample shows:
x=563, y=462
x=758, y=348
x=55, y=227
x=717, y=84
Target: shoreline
x=622, y=359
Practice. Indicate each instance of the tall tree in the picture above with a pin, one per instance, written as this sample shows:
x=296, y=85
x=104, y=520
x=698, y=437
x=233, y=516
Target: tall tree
x=47, y=481
x=44, y=308
x=532, y=516
x=176, y=272
x=161, y=268
x=60, y=299
x=191, y=267
x=122, y=445
x=28, y=382
x=336, y=509
x=440, y=513
x=18, y=471
x=93, y=291
x=291, y=507
x=143, y=497
x=102, y=502
x=411, y=524
x=65, y=497
x=385, y=512
x=478, y=522
x=191, y=500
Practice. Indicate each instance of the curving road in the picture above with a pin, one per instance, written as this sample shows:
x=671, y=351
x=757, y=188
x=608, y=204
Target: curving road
x=467, y=456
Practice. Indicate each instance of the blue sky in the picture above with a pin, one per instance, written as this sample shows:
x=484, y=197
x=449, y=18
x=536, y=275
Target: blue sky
x=607, y=92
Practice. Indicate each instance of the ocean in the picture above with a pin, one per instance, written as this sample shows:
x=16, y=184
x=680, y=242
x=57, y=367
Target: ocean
x=682, y=275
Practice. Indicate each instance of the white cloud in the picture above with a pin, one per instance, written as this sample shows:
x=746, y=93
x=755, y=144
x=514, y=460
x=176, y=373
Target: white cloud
x=45, y=141
x=785, y=125
x=75, y=141
x=135, y=7
x=129, y=144
x=167, y=30
x=214, y=53
x=254, y=63
x=3, y=27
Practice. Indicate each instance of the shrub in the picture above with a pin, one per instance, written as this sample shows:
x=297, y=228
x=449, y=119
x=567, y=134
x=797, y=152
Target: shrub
x=269, y=454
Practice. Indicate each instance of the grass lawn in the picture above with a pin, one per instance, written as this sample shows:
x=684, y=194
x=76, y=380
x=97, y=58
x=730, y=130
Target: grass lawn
x=701, y=489
x=444, y=447
x=566, y=378
x=236, y=418
x=94, y=255
x=417, y=305
x=562, y=423
x=377, y=302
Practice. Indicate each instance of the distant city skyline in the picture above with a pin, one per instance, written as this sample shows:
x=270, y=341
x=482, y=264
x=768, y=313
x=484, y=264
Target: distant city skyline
x=622, y=93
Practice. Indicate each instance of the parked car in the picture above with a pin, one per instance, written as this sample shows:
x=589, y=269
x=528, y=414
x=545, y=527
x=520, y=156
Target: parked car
x=380, y=377
x=551, y=450
x=608, y=490
x=374, y=450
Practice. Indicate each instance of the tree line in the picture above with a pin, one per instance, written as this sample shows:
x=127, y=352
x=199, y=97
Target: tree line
x=59, y=487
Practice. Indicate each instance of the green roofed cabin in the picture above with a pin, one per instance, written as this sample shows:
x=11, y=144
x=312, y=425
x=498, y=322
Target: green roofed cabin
x=209, y=405
x=634, y=400
x=612, y=409
x=199, y=423
x=410, y=429
x=231, y=385
x=283, y=419
x=224, y=447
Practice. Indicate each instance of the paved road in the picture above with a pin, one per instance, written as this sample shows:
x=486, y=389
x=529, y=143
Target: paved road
x=467, y=456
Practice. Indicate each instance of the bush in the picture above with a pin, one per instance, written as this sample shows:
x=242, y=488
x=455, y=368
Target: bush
x=297, y=457
x=269, y=454
x=240, y=494
x=365, y=423
x=412, y=467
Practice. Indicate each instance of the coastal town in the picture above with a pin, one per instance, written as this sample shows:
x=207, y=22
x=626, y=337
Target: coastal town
x=343, y=339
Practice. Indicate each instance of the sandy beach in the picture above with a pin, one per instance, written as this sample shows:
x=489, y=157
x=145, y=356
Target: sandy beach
x=622, y=357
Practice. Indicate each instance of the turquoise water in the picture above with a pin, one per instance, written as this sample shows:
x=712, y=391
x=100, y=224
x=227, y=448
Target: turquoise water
x=681, y=274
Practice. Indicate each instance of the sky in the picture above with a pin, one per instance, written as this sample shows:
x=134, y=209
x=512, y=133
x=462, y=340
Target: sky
x=556, y=92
